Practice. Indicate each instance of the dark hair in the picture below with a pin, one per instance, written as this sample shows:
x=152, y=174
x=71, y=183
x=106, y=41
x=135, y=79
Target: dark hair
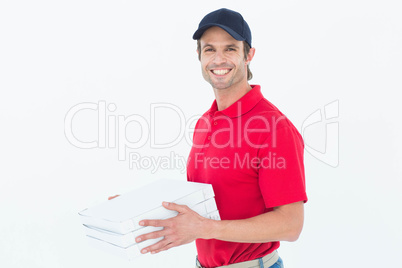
x=246, y=50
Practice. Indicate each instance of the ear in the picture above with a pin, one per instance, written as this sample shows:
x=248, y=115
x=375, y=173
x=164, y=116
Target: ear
x=250, y=55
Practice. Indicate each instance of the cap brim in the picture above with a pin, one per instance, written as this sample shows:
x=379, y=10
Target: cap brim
x=197, y=35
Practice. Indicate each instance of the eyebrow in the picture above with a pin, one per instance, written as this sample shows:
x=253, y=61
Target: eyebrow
x=230, y=45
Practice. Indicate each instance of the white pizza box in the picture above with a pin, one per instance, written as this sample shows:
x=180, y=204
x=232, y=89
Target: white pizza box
x=134, y=250
x=123, y=213
x=128, y=253
x=206, y=209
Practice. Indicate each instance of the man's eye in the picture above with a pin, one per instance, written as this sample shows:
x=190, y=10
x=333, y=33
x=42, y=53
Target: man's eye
x=208, y=50
x=231, y=49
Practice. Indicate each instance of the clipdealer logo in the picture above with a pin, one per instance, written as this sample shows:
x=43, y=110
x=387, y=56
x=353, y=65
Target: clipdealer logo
x=112, y=133
x=326, y=118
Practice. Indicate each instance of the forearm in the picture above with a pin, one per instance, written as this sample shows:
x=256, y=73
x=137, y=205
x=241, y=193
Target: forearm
x=282, y=224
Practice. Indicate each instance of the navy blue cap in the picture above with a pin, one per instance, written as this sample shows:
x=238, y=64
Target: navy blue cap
x=231, y=21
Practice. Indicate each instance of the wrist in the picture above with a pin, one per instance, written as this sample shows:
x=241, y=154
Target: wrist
x=210, y=229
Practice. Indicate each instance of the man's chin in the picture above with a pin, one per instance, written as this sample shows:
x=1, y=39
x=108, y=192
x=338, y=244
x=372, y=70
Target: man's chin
x=220, y=86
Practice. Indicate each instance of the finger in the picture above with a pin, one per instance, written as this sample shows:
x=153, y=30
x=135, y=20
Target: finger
x=176, y=207
x=111, y=197
x=152, y=235
x=168, y=246
x=155, y=223
x=157, y=246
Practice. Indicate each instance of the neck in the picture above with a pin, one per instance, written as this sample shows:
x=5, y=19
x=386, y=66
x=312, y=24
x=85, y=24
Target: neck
x=228, y=96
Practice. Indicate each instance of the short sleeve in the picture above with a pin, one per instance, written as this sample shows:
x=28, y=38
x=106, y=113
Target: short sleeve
x=281, y=168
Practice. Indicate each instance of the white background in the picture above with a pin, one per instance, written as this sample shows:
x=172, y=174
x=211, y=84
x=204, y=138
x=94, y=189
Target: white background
x=55, y=55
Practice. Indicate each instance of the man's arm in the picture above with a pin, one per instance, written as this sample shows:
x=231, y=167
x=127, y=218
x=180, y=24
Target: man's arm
x=284, y=223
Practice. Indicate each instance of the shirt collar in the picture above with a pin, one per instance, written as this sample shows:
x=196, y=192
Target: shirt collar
x=241, y=106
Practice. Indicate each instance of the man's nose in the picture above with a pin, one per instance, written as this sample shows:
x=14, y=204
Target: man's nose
x=219, y=58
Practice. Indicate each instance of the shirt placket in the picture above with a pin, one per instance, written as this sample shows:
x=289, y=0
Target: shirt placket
x=214, y=125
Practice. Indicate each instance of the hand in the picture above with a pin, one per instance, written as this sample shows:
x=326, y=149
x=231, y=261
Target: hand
x=182, y=229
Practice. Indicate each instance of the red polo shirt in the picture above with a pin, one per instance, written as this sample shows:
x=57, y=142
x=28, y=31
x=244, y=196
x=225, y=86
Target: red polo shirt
x=253, y=157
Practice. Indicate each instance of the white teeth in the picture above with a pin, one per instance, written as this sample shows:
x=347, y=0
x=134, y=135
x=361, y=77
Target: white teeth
x=220, y=72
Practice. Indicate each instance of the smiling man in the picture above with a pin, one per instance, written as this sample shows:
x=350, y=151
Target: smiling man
x=222, y=60
x=250, y=153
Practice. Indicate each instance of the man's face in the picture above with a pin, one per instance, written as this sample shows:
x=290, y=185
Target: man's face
x=222, y=59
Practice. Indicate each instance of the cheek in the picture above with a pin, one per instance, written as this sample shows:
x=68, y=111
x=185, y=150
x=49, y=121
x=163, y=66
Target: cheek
x=204, y=69
x=204, y=63
x=242, y=63
x=236, y=60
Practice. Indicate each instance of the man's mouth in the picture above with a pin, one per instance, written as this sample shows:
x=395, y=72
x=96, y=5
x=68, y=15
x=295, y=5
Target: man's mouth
x=220, y=71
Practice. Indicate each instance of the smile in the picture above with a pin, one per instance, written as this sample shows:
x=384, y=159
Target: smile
x=221, y=71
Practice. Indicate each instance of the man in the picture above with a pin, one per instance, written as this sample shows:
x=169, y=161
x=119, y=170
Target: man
x=251, y=154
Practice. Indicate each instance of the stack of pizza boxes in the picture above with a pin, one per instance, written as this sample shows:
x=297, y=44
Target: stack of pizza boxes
x=113, y=225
